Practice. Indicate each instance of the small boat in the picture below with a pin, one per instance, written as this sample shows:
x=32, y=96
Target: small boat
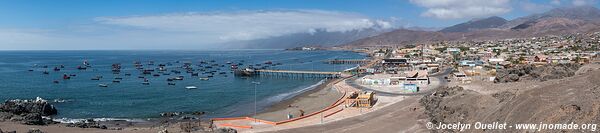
x=170, y=83
x=30, y=70
x=102, y=85
x=116, y=81
x=178, y=78
x=169, y=79
x=268, y=62
x=65, y=76
x=119, y=78
x=72, y=75
x=191, y=87
x=204, y=78
x=55, y=81
x=95, y=78
x=156, y=75
x=146, y=82
x=223, y=73
x=128, y=74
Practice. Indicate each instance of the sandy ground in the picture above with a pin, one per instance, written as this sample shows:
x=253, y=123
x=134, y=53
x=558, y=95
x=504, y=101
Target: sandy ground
x=309, y=102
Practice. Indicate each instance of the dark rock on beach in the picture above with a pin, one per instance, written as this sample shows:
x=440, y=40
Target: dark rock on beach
x=28, y=112
x=19, y=107
x=225, y=130
x=89, y=123
x=35, y=131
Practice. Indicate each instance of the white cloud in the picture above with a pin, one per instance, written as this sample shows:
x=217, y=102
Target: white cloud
x=582, y=2
x=248, y=25
x=532, y=7
x=185, y=30
x=555, y=2
x=455, y=9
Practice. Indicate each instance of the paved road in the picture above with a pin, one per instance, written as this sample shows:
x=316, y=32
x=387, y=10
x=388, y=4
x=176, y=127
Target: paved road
x=397, y=117
x=440, y=76
x=394, y=118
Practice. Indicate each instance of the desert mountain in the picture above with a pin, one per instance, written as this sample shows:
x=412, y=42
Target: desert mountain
x=486, y=23
x=554, y=22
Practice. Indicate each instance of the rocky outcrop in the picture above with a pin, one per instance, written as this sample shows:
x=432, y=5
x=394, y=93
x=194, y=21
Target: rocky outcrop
x=539, y=73
x=35, y=131
x=27, y=111
x=19, y=107
x=89, y=123
x=435, y=109
x=225, y=130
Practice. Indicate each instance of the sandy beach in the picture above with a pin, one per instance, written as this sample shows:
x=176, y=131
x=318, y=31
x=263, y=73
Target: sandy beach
x=310, y=101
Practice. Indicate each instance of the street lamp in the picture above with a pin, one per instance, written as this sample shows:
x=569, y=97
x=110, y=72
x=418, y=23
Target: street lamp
x=255, y=84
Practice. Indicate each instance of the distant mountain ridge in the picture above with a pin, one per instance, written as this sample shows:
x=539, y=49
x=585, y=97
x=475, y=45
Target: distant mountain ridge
x=554, y=22
x=319, y=37
x=486, y=23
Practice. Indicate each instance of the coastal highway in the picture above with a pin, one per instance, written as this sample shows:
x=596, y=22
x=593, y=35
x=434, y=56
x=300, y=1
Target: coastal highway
x=440, y=76
x=401, y=116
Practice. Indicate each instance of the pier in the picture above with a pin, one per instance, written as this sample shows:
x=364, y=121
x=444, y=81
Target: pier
x=347, y=61
x=289, y=73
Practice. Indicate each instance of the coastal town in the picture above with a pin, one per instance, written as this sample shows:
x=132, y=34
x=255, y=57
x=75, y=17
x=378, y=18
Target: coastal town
x=307, y=71
x=395, y=74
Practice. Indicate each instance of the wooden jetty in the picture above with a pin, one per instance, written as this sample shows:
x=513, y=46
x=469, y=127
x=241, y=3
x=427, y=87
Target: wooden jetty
x=289, y=73
x=347, y=61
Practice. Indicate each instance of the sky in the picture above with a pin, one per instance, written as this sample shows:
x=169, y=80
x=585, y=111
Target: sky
x=195, y=24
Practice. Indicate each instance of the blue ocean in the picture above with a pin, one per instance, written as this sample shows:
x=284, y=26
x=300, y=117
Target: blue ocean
x=224, y=94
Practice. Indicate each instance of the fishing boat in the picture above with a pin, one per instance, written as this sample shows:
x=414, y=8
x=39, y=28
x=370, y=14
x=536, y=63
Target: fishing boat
x=102, y=85
x=65, y=76
x=191, y=87
x=81, y=67
x=178, y=78
x=146, y=82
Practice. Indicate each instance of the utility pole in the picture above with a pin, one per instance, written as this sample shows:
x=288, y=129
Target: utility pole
x=255, y=84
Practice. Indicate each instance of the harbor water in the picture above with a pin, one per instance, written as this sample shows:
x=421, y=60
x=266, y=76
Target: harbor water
x=22, y=77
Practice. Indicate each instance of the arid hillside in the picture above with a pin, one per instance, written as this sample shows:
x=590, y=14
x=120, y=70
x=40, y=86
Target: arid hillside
x=561, y=101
